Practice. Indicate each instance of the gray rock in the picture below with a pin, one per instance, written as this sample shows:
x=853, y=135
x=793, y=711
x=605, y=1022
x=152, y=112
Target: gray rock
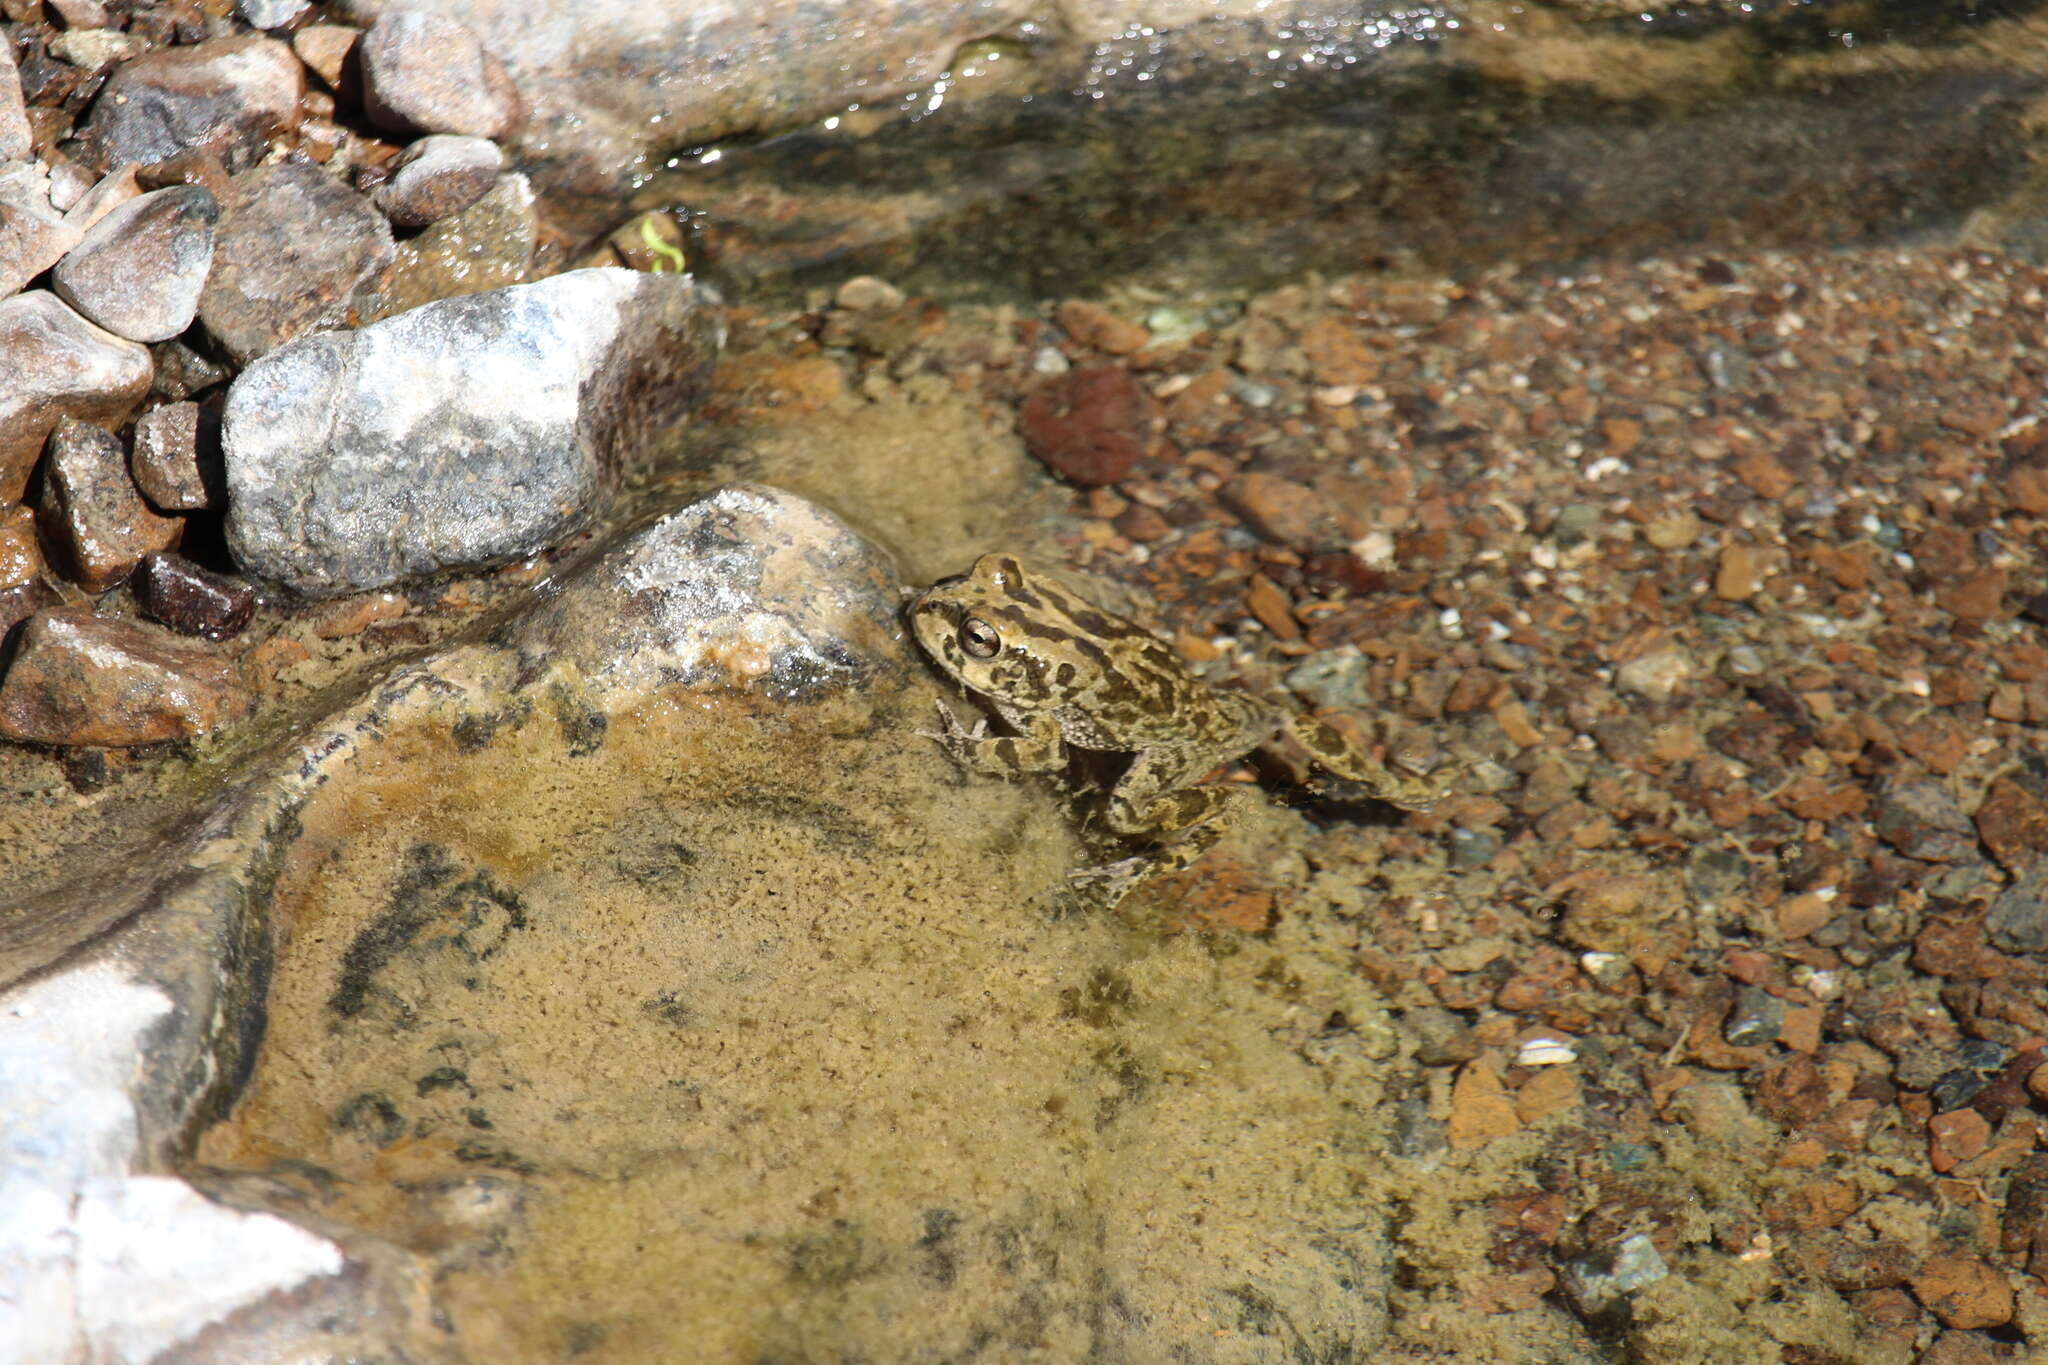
x=270, y=13
x=1921, y=820
x=437, y=177
x=54, y=363
x=466, y=432
x=228, y=95
x=139, y=270
x=429, y=73
x=105, y=195
x=33, y=235
x=16, y=136
x=101, y=526
x=2018, y=919
x=294, y=252
x=175, y=458
x=486, y=246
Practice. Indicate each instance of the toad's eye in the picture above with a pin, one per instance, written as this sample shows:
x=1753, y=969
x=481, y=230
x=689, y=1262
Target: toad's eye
x=979, y=638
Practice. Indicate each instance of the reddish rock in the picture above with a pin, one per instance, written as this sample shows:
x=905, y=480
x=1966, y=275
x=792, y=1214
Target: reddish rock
x=425, y=73
x=1481, y=1109
x=98, y=521
x=81, y=679
x=193, y=600
x=1090, y=426
x=2013, y=822
x=1337, y=355
x=1283, y=511
x=1093, y=325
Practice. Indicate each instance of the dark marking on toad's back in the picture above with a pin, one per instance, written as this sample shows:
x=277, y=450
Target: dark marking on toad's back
x=1063, y=671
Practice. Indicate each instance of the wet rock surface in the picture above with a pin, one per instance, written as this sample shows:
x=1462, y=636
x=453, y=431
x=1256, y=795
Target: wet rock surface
x=57, y=364
x=78, y=678
x=229, y=96
x=295, y=253
x=192, y=599
x=488, y=245
x=466, y=432
x=138, y=272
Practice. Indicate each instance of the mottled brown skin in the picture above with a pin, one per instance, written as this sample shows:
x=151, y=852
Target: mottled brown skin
x=1060, y=670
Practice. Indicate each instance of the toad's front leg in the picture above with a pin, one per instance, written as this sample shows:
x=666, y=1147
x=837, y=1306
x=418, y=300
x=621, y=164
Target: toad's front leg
x=1037, y=749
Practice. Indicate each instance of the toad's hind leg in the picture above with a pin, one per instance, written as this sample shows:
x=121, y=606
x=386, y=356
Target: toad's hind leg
x=1348, y=760
x=1184, y=821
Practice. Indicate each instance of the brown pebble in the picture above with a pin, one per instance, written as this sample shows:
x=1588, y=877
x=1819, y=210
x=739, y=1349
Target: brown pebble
x=1976, y=598
x=1090, y=425
x=1955, y=1137
x=1963, y=1292
x=176, y=457
x=1271, y=607
x=81, y=679
x=193, y=600
x=1740, y=573
x=1140, y=523
x=94, y=515
x=1282, y=511
x=1765, y=475
x=1095, y=326
x=1481, y=1109
x=1337, y=356
x=1621, y=434
x=1804, y=914
x=2013, y=822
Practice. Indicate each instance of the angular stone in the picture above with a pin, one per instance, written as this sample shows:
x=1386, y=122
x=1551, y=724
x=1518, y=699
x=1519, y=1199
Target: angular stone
x=22, y=601
x=192, y=599
x=93, y=48
x=327, y=48
x=229, y=95
x=79, y=679
x=53, y=363
x=469, y=431
x=100, y=525
x=33, y=235
x=294, y=252
x=2018, y=919
x=21, y=554
x=200, y=166
x=426, y=73
x=182, y=371
x=486, y=246
x=437, y=177
x=139, y=271
x=176, y=457
x=16, y=137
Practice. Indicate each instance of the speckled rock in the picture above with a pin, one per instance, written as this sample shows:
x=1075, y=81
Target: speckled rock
x=229, y=95
x=437, y=177
x=15, y=133
x=81, y=679
x=176, y=457
x=466, y=432
x=295, y=252
x=33, y=235
x=21, y=551
x=92, y=511
x=486, y=246
x=429, y=73
x=54, y=363
x=192, y=599
x=139, y=270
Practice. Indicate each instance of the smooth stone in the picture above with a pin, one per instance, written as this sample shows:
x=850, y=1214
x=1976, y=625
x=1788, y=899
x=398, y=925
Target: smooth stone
x=486, y=246
x=82, y=679
x=33, y=235
x=17, y=137
x=294, y=252
x=466, y=432
x=192, y=599
x=429, y=73
x=53, y=363
x=228, y=95
x=92, y=511
x=139, y=271
x=437, y=177
x=175, y=458
x=106, y=194
x=267, y=14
